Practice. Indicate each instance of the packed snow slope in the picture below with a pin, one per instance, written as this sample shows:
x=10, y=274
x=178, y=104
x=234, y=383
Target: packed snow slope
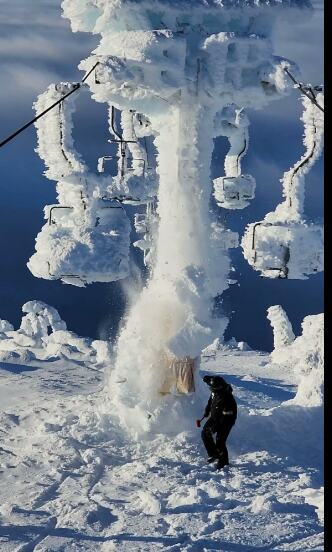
x=72, y=480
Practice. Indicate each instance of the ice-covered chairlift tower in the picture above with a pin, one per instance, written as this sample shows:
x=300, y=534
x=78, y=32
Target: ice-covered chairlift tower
x=190, y=68
x=284, y=244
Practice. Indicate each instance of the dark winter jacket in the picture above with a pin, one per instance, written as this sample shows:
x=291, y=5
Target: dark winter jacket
x=222, y=406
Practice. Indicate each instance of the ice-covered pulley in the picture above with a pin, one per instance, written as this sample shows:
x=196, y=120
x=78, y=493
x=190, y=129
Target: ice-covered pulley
x=284, y=245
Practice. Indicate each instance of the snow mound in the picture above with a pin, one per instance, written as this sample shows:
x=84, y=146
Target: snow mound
x=43, y=335
x=305, y=356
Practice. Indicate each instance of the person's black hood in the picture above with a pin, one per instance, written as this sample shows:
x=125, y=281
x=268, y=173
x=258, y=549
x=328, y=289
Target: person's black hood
x=218, y=384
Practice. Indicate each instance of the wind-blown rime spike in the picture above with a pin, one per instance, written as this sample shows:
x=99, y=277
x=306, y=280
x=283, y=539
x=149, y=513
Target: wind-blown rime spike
x=282, y=328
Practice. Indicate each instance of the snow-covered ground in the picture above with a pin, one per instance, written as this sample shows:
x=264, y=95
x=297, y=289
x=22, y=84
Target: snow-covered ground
x=72, y=480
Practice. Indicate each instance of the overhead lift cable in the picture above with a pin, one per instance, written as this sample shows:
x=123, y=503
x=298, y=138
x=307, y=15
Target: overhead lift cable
x=308, y=91
x=62, y=99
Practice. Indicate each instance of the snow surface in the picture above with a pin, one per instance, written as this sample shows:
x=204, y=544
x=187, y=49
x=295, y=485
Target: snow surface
x=72, y=479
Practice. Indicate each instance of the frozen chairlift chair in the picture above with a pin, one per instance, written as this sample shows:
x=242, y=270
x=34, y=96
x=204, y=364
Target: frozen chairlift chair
x=86, y=238
x=135, y=182
x=284, y=245
x=81, y=246
x=235, y=190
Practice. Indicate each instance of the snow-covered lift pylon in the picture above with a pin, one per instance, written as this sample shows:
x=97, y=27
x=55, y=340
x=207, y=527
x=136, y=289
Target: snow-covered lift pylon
x=284, y=245
x=178, y=65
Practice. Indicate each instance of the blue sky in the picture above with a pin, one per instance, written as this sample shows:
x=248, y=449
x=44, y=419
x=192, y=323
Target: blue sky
x=37, y=47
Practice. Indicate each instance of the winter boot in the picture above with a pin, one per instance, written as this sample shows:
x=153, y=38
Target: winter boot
x=211, y=459
x=221, y=464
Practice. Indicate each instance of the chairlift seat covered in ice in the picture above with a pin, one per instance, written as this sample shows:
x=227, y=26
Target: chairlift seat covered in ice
x=284, y=250
x=234, y=192
x=81, y=247
x=284, y=245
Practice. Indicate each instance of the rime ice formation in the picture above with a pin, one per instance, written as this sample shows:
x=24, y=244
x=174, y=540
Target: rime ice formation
x=43, y=335
x=282, y=328
x=54, y=132
x=87, y=234
x=284, y=245
x=304, y=355
x=180, y=74
x=234, y=190
x=38, y=323
x=5, y=326
x=190, y=69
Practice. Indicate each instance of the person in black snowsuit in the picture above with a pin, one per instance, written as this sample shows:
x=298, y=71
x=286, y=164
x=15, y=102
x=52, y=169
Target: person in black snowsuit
x=221, y=411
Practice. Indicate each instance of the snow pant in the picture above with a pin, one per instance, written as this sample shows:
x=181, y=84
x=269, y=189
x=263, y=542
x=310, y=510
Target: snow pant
x=217, y=448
